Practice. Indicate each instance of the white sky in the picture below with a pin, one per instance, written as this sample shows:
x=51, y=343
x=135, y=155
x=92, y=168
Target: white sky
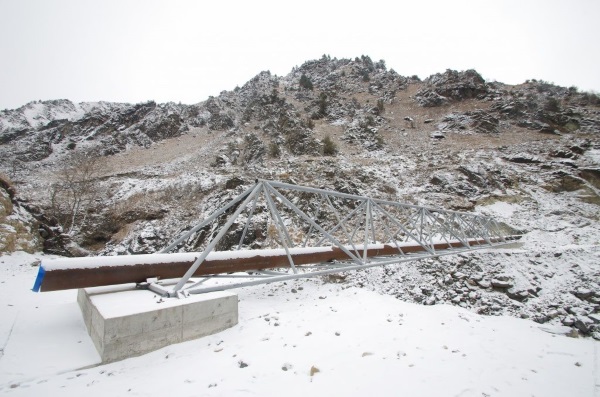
x=184, y=51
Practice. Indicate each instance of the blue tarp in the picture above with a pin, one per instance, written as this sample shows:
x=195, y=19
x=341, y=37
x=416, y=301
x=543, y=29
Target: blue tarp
x=38, y=280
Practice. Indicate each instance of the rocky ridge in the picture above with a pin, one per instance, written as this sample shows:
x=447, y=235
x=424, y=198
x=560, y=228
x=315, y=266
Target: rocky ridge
x=527, y=154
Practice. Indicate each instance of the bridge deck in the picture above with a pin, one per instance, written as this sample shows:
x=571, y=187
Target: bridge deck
x=73, y=273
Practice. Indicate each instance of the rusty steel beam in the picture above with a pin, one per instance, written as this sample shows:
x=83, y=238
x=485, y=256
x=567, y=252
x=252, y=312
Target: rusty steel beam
x=72, y=273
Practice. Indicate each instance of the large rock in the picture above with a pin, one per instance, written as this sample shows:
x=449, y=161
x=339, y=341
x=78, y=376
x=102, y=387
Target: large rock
x=584, y=324
x=501, y=283
x=523, y=158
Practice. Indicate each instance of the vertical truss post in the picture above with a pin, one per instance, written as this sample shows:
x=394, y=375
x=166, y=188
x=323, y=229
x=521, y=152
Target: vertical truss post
x=496, y=228
x=367, y=226
x=372, y=223
x=408, y=233
x=450, y=232
x=425, y=213
x=391, y=238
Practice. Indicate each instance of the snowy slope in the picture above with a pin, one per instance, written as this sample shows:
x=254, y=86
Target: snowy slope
x=323, y=339
x=36, y=114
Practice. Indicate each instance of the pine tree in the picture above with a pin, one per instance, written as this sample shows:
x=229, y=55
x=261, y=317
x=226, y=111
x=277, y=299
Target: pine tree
x=305, y=82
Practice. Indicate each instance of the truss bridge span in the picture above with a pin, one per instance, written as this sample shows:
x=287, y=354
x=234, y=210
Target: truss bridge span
x=300, y=231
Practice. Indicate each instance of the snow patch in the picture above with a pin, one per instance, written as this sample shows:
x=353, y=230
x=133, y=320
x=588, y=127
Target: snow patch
x=500, y=209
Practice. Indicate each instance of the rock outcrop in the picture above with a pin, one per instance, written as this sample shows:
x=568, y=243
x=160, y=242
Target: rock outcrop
x=441, y=89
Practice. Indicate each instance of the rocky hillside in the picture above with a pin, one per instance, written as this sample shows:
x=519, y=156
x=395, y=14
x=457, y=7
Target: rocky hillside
x=110, y=178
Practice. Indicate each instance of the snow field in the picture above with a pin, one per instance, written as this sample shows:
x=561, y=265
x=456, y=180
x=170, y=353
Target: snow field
x=296, y=338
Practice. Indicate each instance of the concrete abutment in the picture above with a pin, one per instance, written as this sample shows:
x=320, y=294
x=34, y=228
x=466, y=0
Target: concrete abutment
x=125, y=322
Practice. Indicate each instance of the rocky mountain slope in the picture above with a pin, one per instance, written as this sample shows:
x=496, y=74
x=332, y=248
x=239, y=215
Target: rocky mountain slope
x=110, y=178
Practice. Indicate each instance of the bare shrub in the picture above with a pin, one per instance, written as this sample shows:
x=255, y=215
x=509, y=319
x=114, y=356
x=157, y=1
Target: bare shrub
x=329, y=146
x=75, y=190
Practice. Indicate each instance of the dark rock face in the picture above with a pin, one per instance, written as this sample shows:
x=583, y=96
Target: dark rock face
x=219, y=118
x=301, y=141
x=18, y=229
x=440, y=89
x=35, y=149
x=592, y=175
x=52, y=238
x=512, y=109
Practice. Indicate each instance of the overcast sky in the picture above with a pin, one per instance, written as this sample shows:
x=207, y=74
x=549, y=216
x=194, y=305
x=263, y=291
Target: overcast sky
x=184, y=51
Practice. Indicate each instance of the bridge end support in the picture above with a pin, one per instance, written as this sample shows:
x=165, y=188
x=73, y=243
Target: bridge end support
x=126, y=322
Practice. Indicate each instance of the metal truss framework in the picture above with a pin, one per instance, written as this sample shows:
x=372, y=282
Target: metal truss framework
x=303, y=219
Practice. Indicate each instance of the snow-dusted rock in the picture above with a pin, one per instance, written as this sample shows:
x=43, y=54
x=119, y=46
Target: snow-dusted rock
x=501, y=283
x=583, y=323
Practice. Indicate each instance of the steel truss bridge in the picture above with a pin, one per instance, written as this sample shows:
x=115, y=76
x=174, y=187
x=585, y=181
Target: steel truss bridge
x=302, y=232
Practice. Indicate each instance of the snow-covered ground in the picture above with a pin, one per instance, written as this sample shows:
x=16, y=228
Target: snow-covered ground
x=301, y=338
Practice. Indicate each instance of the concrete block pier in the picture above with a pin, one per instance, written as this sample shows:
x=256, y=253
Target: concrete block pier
x=125, y=322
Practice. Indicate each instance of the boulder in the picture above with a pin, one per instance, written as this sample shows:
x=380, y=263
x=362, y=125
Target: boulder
x=583, y=323
x=501, y=283
x=583, y=293
x=484, y=283
x=518, y=295
x=568, y=320
x=523, y=158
